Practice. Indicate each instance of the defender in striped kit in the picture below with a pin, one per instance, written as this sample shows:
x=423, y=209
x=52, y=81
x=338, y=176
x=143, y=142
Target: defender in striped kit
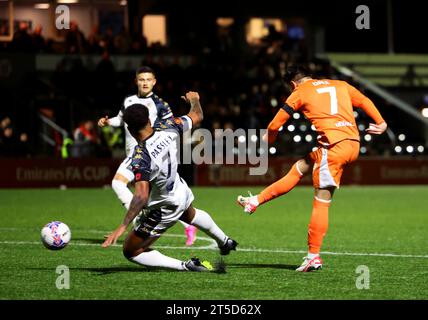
x=159, y=111
x=162, y=192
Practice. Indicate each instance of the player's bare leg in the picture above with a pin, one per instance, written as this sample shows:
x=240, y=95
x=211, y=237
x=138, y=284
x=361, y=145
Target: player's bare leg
x=317, y=229
x=276, y=189
x=203, y=221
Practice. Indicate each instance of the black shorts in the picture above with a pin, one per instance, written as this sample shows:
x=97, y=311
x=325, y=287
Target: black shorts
x=150, y=224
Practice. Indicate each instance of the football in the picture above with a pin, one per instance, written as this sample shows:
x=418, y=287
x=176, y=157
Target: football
x=55, y=235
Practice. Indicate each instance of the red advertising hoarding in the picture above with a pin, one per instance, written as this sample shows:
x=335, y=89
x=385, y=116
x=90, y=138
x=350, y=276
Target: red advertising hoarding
x=365, y=171
x=53, y=173
x=87, y=173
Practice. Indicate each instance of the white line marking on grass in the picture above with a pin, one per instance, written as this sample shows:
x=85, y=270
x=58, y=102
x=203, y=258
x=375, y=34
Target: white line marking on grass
x=213, y=246
x=86, y=244
x=334, y=253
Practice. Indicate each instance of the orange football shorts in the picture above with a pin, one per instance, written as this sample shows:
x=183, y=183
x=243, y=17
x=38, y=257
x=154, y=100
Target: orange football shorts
x=329, y=162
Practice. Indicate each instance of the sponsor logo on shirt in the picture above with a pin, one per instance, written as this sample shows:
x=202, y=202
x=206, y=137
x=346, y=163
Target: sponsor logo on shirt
x=344, y=124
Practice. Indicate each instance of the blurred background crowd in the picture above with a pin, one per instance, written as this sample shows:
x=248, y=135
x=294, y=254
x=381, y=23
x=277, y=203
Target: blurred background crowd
x=53, y=110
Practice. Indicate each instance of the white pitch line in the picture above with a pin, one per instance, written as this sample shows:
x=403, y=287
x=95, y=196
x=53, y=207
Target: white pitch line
x=213, y=246
x=335, y=253
x=84, y=244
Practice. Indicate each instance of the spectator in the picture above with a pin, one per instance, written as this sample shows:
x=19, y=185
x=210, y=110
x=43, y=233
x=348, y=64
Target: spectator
x=112, y=141
x=8, y=142
x=12, y=145
x=138, y=45
x=122, y=42
x=106, y=42
x=23, y=146
x=105, y=79
x=94, y=40
x=4, y=29
x=75, y=41
x=4, y=123
x=22, y=41
x=85, y=140
x=39, y=43
x=411, y=78
x=272, y=36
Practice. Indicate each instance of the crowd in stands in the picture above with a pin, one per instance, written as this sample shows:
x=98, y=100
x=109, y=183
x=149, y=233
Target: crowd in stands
x=13, y=143
x=239, y=87
x=75, y=42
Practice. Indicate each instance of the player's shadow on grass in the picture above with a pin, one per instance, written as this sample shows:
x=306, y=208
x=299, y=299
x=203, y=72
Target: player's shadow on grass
x=99, y=240
x=104, y=271
x=110, y=270
x=262, y=266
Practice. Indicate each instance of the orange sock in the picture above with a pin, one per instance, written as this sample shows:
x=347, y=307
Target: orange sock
x=318, y=225
x=280, y=187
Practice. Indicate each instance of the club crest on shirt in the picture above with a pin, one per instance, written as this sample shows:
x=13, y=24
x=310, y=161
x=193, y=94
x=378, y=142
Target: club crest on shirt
x=138, y=150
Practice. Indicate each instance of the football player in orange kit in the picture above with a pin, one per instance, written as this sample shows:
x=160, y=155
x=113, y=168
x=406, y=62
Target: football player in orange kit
x=328, y=105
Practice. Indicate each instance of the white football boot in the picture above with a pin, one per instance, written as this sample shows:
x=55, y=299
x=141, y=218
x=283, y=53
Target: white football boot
x=249, y=204
x=310, y=264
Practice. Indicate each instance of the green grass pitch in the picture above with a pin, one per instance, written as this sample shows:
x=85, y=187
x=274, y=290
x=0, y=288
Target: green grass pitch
x=383, y=228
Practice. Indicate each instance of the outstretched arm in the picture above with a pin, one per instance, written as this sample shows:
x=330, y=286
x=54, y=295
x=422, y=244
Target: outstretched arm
x=114, y=122
x=359, y=100
x=370, y=109
x=138, y=202
x=195, y=113
x=377, y=128
x=102, y=122
x=279, y=120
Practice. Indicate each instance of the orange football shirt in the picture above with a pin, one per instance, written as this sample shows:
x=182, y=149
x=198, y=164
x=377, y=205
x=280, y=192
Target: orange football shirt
x=328, y=105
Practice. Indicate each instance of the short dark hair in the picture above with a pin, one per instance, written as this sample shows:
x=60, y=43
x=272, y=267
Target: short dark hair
x=295, y=72
x=136, y=116
x=145, y=69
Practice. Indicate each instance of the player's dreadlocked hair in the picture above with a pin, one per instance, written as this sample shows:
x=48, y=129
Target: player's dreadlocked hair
x=144, y=69
x=136, y=116
x=295, y=73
